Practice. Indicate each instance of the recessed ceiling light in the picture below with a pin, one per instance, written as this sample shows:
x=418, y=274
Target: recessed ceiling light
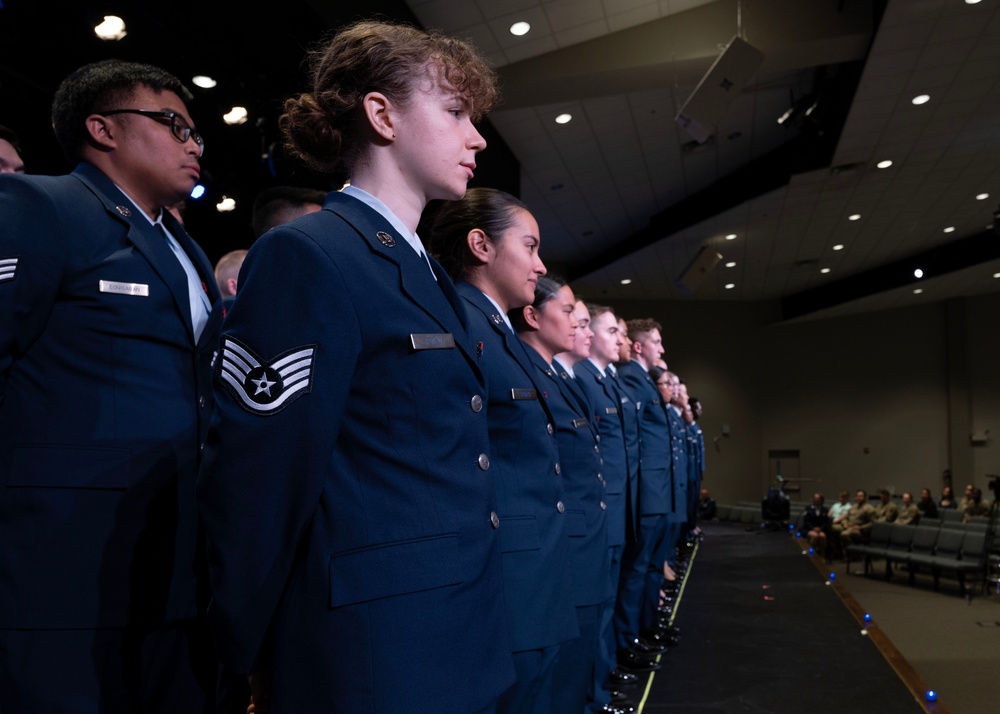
x=884, y=164
x=854, y=217
x=921, y=99
x=918, y=291
x=198, y=191
x=203, y=81
x=113, y=28
x=564, y=118
x=949, y=229
x=730, y=286
x=627, y=281
x=824, y=270
x=731, y=236
x=982, y=196
x=972, y=2
x=918, y=273
x=225, y=205
x=236, y=115
x=996, y=275
x=839, y=246
x=520, y=28
x=731, y=264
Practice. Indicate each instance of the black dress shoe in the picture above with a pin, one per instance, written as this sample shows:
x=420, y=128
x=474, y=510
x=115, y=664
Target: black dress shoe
x=620, y=678
x=645, y=649
x=633, y=662
x=618, y=695
x=668, y=630
x=661, y=639
x=617, y=709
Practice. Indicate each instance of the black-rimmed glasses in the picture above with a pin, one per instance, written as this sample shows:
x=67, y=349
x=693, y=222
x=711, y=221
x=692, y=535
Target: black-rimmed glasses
x=178, y=124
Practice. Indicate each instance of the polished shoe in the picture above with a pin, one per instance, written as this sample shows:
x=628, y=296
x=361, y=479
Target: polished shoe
x=620, y=678
x=665, y=629
x=660, y=639
x=618, y=695
x=617, y=709
x=634, y=662
x=645, y=649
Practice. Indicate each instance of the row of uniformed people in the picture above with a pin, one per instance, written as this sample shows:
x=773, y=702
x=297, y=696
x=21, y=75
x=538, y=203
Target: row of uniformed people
x=567, y=460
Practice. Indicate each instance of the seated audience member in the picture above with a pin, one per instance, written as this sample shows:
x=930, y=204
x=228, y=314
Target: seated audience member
x=908, y=512
x=838, y=514
x=926, y=505
x=885, y=511
x=859, y=521
x=976, y=506
x=706, y=506
x=816, y=524
x=966, y=497
x=947, y=499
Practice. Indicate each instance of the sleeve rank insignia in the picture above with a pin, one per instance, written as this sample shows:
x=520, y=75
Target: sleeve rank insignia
x=263, y=388
x=8, y=269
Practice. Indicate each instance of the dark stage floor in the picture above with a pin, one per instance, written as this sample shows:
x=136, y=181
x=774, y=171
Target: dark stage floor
x=762, y=632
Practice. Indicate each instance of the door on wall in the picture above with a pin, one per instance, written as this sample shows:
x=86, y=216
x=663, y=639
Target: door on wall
x=784, y=471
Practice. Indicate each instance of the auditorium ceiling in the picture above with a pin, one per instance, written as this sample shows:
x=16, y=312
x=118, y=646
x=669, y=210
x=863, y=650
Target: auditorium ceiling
x=628, y=201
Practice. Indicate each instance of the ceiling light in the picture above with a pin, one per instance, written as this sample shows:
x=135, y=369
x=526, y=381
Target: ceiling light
x=918, y=273
x=198, y=191
x=824, y=270
x=564, y=119
x=731, y=264
x=520, y=28
x=731, y=236
x=225, y=205
x=627, y=281
x=921, y=99
x=113, y=28
x=236, y=115
x=884, y=164
x=982, y=196
x=918, y=291
x=203, y=81
x=730, y=286
x=854, y=217
x=996, y=275
x=972, y=2
x=839, y=246
x=949, y=229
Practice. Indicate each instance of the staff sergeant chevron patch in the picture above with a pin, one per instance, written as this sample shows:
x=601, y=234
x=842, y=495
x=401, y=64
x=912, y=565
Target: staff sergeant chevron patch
x=8, y=269
x=266, y=388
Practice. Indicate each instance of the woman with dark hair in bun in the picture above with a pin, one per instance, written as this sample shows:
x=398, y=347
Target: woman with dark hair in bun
x=347, y=495
x=489, y=242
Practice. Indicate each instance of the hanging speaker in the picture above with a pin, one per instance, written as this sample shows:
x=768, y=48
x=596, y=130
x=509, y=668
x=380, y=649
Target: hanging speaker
x=696, y=271
x=717, y=90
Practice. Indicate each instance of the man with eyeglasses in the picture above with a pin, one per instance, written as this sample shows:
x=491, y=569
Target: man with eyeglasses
x=109, y=315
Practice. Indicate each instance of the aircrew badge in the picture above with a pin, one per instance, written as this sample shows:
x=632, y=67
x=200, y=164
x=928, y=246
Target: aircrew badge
x=385, y=239
x=124, y=210
x=497, y=319
x=266, y=388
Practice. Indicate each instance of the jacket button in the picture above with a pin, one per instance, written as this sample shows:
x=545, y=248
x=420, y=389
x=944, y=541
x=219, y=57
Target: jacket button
x=484, y=462
x=494, y=520
x=476, y=403
x=549, y=428
x=604, y=506
x=561, y=507
x=201, y=402
x=558, y=470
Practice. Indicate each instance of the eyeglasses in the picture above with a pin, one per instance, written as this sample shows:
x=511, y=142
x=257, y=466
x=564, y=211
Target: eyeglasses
x=179, y=127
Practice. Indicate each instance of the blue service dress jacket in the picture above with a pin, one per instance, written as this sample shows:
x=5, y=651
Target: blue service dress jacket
x=679, y=459
x=525, y=464
x=622, y=482
x=105, y=398
x=580, y=455
x=347, y=494
x=656, y=496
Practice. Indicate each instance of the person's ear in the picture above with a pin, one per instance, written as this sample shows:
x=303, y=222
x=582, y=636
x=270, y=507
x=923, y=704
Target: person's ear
x=479, y=245
x=381, y=115
x=531, y=315
x=102, y=131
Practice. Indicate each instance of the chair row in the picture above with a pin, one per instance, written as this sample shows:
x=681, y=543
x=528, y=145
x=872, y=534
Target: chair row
x=940, y=550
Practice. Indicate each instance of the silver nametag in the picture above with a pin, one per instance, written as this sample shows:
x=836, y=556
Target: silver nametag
x=579, y=423
x=519, y=394
x=110, y=286
x=444, y=341
x=610, y=410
